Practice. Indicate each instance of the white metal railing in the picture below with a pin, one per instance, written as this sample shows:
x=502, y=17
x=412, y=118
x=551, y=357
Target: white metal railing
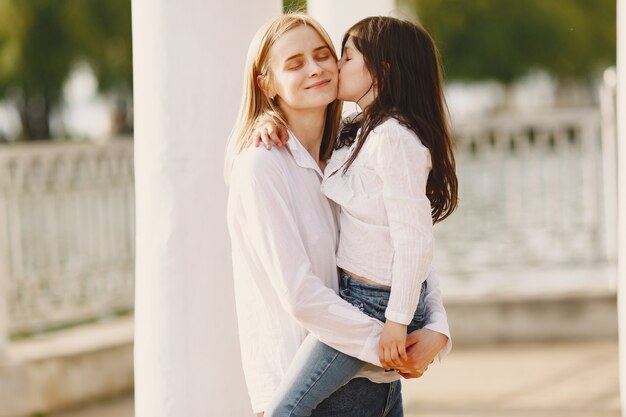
x=67, y=229
x=531, y=194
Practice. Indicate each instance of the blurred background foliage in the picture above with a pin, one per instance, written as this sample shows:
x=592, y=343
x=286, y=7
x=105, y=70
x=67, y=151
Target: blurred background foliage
x=42, y=42
x=294, y=5
x=573, y=40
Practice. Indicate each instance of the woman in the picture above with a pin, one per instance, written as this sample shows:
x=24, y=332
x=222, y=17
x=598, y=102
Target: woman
x=284, y=231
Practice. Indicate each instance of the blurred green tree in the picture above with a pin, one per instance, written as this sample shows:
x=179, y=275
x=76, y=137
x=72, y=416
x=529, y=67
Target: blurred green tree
x=504, y=40
x=36, y=54
x=40, y=43
x=294, y=5
x=103, y=30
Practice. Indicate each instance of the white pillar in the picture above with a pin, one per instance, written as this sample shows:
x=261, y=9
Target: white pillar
x=5, y=244
x=621, y=184
x=338, y=16
x=609, y=160
x=188, y=65
x=4, y=282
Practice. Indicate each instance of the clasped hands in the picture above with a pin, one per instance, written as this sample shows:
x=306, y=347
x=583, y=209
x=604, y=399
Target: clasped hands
x=422, y=346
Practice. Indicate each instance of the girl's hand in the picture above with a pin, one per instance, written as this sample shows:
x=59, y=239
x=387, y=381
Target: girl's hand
x=268, y=133
x=392, y=350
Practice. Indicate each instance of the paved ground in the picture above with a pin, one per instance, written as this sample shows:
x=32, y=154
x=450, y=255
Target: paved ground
x=555, y=380
x=522, y=380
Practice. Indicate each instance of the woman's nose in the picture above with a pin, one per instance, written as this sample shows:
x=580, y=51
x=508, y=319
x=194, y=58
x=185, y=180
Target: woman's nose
x=314, y=68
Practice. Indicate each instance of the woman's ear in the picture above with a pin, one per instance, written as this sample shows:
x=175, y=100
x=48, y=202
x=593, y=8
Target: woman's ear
x=261, y=82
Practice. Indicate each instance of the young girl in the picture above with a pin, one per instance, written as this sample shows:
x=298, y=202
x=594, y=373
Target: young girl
x=284, y=232
x=393, y=174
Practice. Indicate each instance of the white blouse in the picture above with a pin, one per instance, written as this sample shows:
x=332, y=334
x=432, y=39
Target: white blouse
x=385, y=218
x=284, y=237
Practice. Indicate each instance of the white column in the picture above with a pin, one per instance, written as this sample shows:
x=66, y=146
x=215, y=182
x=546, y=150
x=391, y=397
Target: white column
x=4, y=281
x=609, y=160
x=621, y=184
x=338, y=16
x=188, y=65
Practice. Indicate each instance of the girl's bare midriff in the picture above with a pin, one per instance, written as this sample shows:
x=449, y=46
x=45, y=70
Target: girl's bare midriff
x=365, y=280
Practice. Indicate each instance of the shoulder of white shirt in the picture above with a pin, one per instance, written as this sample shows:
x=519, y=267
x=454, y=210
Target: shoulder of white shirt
x=260, y=160
x=393, y=130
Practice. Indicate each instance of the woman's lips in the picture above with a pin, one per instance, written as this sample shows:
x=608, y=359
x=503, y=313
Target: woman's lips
x=319, y=84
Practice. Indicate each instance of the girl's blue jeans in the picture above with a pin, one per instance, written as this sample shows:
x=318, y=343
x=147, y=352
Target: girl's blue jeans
x=319, y=370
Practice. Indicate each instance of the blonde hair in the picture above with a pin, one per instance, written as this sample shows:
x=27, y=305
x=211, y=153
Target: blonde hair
x=256, y=106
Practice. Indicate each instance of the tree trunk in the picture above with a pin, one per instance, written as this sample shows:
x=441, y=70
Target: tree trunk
x=34, y=111
x=122, y=120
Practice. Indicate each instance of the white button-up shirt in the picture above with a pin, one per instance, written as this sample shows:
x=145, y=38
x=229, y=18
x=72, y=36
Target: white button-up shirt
x=385, y=218
x=284, y=236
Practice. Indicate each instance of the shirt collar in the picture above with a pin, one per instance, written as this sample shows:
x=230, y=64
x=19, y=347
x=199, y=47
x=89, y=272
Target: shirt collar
x=302, y=157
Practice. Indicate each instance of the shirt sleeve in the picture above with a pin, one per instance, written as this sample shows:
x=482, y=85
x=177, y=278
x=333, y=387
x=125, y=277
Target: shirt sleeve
x=436, y=312
x=403, y=165
x=267, y=214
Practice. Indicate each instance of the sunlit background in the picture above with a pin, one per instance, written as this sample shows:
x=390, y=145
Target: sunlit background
x=527, y=263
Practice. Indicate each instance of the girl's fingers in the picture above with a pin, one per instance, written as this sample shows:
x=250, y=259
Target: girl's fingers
x=381, y=356
x=388, y=358
x=284, y=135
x=256, y=140
x=398, y=361
x=274, y=136
x=266, y=139
x=395, y=357
x=403, y=356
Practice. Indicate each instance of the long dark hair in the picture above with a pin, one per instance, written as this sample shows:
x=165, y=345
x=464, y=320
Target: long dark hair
x=403, y=61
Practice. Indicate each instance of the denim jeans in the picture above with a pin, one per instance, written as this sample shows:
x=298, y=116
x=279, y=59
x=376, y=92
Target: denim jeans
x=363, y=398
x=318, y=370
x=372, y=300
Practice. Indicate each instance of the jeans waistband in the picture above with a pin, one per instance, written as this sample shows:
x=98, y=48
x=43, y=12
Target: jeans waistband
x=346, y=281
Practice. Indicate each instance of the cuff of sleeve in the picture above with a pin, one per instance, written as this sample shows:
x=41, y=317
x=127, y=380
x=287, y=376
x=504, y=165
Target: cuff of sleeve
x=398, y=317
x=369, y=353
x=448, y=347
x=260, y=405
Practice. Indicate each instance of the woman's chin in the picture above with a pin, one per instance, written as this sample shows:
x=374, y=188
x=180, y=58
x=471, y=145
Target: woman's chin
x=327, y=99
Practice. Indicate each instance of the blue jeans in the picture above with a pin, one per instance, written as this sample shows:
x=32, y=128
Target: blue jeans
x=372, y=300
x=318, y=370
x=363, y=398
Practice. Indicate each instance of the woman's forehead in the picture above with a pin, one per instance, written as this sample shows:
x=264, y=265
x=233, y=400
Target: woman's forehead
x=300, y=40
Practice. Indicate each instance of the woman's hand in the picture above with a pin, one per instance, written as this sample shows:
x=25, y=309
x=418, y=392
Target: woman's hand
x=268, y=133
x=392, y=351
x=422, y=347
